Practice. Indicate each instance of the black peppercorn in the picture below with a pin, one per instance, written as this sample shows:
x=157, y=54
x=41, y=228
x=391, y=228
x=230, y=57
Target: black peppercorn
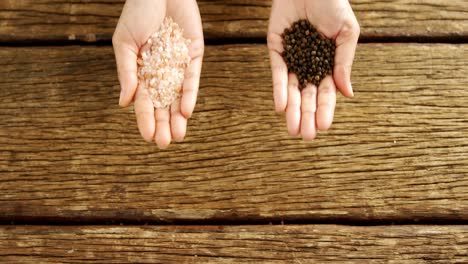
x=307, y=53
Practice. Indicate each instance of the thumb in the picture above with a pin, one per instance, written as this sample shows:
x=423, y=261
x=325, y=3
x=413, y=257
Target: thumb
x=346, y=42
x=126, y=58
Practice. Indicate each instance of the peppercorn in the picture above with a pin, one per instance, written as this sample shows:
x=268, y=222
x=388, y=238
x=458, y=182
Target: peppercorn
x=307, y=53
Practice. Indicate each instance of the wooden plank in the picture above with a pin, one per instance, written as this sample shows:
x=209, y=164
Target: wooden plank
x=234, y=244
x=91, y=20
x=397, y=151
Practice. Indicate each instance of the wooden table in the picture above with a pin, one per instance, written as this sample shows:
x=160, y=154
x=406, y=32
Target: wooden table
x=387, y=184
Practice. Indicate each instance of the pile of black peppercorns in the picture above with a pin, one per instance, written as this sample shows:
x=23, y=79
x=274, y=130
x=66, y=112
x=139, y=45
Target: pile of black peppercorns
x=307, y=53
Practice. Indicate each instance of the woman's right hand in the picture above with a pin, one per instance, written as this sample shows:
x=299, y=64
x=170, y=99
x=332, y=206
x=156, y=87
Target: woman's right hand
x=139, y=19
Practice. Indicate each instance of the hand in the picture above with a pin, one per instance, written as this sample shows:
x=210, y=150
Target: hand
x=312, y=109
x=139, y=19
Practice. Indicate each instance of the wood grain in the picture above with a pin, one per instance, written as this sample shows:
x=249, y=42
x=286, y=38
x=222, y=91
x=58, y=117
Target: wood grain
x=234, y=244
x=91, y=20
x=397, y=151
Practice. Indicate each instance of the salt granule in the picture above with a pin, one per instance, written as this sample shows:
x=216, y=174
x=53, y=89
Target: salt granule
x=161, y=68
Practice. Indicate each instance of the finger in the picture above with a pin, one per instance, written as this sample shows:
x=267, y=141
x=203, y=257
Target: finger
x=178, y=122
x=280, y=81
x=144, y=111
x=308, y=109
x=326, y=101
x=189, y=19
x=293, y=109
x=346, y=42
x=126, y=58
x=190, y=86
x=163, y=129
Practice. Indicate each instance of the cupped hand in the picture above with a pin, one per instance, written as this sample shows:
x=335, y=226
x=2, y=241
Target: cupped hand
x=313, y=108
x=139, y=19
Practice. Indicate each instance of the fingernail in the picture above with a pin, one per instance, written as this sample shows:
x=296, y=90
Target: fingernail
x=352, y=91
x=122, y=95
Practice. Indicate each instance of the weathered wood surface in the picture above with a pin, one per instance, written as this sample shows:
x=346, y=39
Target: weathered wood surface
x=397, y=151
x=91, y=20
x=234, y=244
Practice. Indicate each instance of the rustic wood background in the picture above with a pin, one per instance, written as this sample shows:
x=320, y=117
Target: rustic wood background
x=387, y=184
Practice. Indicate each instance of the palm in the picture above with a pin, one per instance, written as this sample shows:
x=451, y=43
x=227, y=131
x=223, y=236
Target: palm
x=139, y=19
x=313, y=108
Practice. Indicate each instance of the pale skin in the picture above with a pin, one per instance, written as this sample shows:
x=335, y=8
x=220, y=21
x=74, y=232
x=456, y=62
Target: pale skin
x=312, y=109
x=306, y=112
x=139, y=19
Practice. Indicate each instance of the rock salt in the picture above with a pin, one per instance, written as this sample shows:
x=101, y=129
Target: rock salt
x=161, y=68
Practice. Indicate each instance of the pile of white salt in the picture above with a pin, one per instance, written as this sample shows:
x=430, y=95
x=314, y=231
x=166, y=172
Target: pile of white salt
x=161, y=68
